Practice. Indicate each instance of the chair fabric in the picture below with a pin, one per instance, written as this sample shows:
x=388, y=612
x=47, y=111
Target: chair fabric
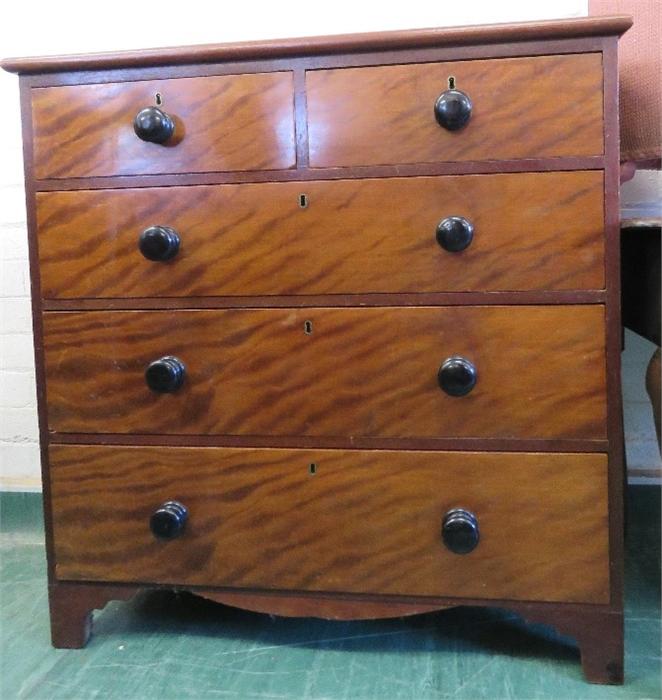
x=640, y=72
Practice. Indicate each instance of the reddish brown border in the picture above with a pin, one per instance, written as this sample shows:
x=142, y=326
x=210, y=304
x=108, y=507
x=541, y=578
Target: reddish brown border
x=317, y=62
x=335, y=442
x=617, y=473
x=534, y=297
x=327, y=45
x=303, y=173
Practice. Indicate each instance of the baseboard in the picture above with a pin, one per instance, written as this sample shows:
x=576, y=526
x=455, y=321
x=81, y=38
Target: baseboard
x=653, y=479
x=33, y=485
x=22, y=484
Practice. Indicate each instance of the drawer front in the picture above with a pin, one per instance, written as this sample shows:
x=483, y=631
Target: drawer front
x=364, y=522
x=233, y=122
x=530, y=231
x=537, y=107
x=330, y=372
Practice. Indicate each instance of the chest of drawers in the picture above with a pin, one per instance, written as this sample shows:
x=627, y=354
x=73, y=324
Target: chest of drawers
x=330, y=327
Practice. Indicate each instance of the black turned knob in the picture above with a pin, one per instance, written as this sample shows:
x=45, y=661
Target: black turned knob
x=452, y=109
x=168, y=521
x=454, y=233
x=154, y=125
x=165, y=375
x=457, y=376
x=159, y=243
x=459, y=531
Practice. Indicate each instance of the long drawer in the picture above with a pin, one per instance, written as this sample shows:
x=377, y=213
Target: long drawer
x=535, y=107
x=227, y=122
x=538, y=371
x=362, y=522
x=529, y=231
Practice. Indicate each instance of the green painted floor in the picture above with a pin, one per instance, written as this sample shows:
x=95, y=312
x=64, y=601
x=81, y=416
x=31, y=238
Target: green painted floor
x=167, y=646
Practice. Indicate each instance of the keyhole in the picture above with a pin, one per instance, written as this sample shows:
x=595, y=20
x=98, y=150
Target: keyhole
x=308, y=327
x=159, y=99
x=312, y=469
x=451, y=82
x=303, y=201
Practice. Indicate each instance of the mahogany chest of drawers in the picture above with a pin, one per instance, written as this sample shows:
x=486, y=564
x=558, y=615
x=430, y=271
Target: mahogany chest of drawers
x=330, y=327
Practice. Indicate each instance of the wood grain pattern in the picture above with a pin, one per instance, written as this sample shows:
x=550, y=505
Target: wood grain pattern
x=546, y=106
x=334, y=44
x=367, y=521
x=362, y=372
x=532, y=231
x=235, y=122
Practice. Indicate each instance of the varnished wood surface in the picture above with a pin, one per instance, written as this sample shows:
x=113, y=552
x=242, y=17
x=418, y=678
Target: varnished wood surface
x=235, y=122
x=71, y=608
x=532, y=231
x=546, y=106
x=599, y=634
x=373, y=41
x=361, y=372
x=367, y=521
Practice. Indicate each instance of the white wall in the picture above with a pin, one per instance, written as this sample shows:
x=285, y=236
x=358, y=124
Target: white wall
x=36, y=28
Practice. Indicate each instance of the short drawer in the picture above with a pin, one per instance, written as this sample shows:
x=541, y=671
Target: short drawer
x=539, y=372
x=535, y=107
x=336, y=520
x=523, y=231
x=221, y=123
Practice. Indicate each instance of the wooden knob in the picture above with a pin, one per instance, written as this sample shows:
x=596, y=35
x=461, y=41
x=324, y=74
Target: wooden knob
x=168, y=521
x=159, y=243
x=165, y=375
x=452, y=110
x=154, y=125
x=459, y=531
x=454, y=233
x=457, y=376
